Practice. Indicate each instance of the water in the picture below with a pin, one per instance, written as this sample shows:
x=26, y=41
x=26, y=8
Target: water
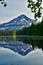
x=9, y=57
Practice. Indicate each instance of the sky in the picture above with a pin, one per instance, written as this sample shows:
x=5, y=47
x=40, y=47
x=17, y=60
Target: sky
x=14, y=8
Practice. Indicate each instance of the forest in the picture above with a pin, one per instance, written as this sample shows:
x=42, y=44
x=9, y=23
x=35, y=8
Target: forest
x=32, y=35
x=34, y=30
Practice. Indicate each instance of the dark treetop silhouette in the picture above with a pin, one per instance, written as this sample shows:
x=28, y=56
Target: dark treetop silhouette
x=35, y=8
x=3, y=3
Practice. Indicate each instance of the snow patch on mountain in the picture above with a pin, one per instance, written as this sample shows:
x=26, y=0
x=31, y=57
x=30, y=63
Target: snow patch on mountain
x=17, y=23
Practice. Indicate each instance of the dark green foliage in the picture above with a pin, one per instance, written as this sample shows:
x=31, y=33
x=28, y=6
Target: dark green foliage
x=33, y=35
x=35, y=8
x=32, y=30
x=6, y=33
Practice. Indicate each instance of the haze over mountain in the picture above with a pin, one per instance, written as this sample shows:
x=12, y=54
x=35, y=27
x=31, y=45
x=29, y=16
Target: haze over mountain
x=17, y=23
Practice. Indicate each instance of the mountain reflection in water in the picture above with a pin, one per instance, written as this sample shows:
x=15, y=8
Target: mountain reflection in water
x=18, y=47
x=8, y=57
x=35, y=42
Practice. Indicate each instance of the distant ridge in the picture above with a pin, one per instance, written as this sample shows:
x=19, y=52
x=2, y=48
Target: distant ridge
x=16, y=23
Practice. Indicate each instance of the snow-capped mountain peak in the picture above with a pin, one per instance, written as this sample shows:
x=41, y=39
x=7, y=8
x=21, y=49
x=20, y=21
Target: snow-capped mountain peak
x=17, y=23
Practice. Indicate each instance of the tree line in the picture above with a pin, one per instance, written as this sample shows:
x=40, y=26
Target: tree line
x=36, y=30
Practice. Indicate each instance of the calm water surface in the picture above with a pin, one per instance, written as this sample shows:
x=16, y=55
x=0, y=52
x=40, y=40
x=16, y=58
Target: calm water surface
x=8, y=57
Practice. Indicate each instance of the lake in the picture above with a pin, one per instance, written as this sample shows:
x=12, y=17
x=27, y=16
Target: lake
x=9, y=57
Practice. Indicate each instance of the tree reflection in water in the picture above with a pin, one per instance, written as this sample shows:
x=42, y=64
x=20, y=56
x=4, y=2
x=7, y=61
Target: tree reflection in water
x=35, y=42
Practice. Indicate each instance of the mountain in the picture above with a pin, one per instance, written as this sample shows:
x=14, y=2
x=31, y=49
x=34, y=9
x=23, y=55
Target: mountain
x=18, y=47
x=17, y=23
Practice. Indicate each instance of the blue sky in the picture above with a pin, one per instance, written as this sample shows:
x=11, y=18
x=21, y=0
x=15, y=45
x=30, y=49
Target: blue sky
x=14, y=9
